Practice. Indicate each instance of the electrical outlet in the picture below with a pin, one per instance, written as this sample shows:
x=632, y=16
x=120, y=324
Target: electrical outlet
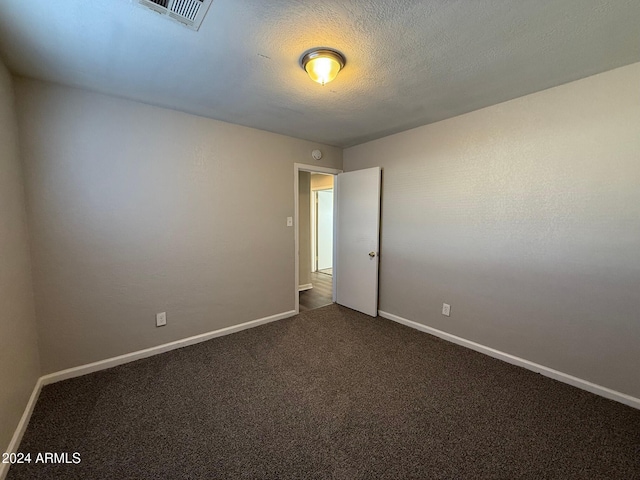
x=446, y=309
x=161, y=319
x=289, y=221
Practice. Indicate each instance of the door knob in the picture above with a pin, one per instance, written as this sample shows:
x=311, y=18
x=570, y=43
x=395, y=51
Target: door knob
x=372, y=254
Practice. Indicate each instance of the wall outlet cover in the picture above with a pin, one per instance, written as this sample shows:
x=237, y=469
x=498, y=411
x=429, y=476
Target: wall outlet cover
x=446, y=309
x=161, y=319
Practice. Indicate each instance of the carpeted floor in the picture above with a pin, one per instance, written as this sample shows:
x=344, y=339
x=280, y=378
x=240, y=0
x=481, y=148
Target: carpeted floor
x=334, y=394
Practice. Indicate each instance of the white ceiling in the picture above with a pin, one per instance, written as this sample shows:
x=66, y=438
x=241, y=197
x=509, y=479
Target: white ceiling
x=409, y=62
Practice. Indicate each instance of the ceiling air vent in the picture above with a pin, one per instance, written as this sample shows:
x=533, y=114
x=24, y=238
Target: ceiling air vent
x=188, y=12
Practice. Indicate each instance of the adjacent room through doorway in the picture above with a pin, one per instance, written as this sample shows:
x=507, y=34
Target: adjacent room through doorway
x=316, y=240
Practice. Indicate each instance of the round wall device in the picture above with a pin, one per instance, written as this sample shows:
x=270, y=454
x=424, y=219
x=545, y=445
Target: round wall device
x=316, y=154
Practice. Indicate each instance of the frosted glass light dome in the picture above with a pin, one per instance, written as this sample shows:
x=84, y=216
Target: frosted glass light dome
x=322, y=65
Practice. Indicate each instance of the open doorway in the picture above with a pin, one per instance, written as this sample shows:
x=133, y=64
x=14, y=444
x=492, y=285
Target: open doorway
x=319, y=269
x=315, y=202
x=322, y=223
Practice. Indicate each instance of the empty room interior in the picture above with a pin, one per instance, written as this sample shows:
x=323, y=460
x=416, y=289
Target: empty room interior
x=338, y=239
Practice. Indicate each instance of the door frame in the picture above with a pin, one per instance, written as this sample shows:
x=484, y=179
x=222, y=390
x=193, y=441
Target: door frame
x=297, y=168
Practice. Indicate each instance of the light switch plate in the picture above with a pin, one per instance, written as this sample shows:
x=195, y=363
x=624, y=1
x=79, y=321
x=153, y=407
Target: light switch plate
x=289, y=221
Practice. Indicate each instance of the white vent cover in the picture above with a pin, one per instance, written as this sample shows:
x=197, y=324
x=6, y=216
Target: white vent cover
x=188, y=12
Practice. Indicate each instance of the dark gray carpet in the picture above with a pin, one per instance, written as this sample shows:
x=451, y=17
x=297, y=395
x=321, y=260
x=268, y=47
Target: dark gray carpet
x=328, y=394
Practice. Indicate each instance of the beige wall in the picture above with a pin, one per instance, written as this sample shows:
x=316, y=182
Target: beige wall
x=321, y=182
x=525, y=217
x=136, y=210
x=19, y=364
x=304, y=215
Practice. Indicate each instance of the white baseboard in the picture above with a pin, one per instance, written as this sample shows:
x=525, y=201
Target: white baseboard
x=133, y=356
x=22, y=426
x=120, y=360
x=521, y=362
x=306, y=286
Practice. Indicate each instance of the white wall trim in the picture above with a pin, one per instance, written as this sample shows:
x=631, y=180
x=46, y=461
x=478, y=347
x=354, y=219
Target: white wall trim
x=521, y=362
x=149, y=352
x=306, y=286
x=21, y=428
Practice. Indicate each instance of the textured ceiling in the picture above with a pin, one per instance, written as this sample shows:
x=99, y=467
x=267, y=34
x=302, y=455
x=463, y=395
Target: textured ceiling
x=409, y=62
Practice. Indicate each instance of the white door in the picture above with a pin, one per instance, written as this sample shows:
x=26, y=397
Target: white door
x=358, y=240
x=324, y=229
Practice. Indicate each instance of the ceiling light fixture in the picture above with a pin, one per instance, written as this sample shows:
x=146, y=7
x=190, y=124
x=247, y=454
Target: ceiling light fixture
x=322, y=64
